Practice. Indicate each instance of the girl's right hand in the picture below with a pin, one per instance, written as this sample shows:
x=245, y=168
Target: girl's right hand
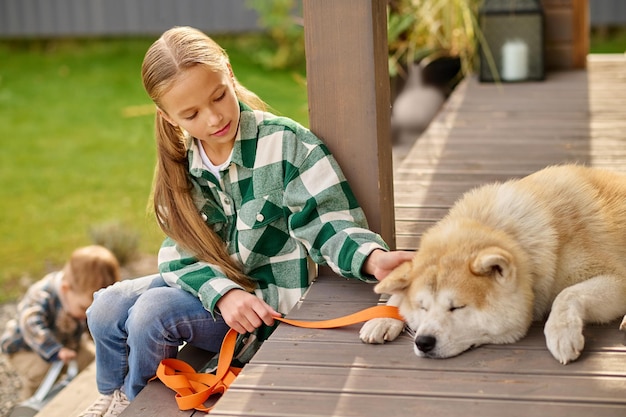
x=245, y=312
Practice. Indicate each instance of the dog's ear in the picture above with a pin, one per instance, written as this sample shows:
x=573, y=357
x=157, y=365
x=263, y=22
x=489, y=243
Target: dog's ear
x=494, y=262
x=397, y=281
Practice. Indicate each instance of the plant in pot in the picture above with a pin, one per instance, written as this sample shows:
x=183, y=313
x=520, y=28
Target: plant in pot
x=432, y=46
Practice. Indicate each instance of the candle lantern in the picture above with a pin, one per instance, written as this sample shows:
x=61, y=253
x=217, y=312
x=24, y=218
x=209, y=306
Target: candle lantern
x=513, y=31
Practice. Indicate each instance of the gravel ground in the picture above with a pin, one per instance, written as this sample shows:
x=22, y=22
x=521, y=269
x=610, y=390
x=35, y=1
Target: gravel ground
x=9, y=384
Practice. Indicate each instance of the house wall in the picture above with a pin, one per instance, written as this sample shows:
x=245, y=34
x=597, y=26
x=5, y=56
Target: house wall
x=58, y=18
x=607, y=13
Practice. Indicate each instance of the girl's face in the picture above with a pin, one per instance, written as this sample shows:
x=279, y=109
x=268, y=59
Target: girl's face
x=203, y=103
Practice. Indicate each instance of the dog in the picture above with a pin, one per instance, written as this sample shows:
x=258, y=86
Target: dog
x=552, y=244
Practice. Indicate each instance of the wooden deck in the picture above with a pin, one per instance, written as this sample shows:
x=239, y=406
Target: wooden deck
x=491, y=133
x=484, y=133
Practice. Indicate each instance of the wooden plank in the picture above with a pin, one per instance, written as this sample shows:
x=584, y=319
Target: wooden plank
x=507, y=168
x=415, y=227
x=157, y=399
x=79, y=394
x=451, y=175
x=482, y=136
x=497, y=359
x=408, y=241
x=260, y=402
x=463, y=152
x=425, y=214
x=394, y=382
x=336, y=288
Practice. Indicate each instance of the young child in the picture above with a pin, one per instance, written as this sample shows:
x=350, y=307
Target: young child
x=51, y=319
x=248, y=202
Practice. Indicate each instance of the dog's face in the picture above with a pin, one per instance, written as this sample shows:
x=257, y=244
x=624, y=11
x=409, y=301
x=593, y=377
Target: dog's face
x=460, y=292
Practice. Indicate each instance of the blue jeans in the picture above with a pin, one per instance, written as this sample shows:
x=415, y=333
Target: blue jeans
x=138, y=322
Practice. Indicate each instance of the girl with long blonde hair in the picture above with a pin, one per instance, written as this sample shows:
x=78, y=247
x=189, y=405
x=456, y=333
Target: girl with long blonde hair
x=249, y=202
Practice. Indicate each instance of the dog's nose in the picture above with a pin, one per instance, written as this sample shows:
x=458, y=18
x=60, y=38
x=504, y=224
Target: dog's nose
x=425, y=343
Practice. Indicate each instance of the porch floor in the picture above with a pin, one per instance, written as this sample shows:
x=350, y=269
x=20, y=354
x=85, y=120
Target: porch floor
x=485, y=132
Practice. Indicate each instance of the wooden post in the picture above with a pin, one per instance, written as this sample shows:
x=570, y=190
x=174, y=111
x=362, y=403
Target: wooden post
x=567, y=33
x=349, y=100
x=581, y=33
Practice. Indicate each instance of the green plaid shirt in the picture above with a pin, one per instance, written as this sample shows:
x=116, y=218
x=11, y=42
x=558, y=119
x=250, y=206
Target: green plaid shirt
x=281, y=202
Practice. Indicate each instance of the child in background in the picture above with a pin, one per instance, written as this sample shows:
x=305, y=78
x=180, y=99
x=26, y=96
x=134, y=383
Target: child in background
x=249, y=202
x=51, y=320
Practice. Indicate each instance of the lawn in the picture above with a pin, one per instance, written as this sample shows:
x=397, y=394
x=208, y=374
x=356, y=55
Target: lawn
x=77, y=148
x=611, y=41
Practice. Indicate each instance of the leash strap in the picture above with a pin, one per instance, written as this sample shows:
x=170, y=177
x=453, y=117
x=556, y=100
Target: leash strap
x=193, y=389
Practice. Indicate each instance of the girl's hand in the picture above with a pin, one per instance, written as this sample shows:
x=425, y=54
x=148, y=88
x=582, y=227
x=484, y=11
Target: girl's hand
x=380, y=263
x=245, y=312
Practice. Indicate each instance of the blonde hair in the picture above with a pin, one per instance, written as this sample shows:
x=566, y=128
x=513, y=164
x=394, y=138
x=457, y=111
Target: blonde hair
x=177, y=50
x=91, y=268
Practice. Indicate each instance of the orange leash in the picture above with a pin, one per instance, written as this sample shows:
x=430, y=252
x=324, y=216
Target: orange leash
x=193, y=389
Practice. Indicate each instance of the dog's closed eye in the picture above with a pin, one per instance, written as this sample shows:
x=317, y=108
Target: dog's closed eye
x=454, y=308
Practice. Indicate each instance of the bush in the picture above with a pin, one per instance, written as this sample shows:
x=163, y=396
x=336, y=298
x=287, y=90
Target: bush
x=118, y=238
x=282, y=20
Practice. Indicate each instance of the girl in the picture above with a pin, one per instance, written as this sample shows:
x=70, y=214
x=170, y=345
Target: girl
x=247, y=200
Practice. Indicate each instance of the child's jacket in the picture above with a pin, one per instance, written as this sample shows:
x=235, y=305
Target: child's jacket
x=41, y=324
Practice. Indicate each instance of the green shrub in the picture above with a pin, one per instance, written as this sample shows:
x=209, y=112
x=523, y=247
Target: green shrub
x=119, y=238
x=281, y=19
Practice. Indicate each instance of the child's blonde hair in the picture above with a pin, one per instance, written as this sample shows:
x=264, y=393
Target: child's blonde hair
x=177, y=50
x=91, y=268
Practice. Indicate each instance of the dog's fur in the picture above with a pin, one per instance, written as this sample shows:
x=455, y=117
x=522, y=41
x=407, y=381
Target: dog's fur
x=510, y=253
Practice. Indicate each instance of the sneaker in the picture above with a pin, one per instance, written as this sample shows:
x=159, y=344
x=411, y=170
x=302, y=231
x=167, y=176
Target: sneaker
x=99, y=407
x=118, y=404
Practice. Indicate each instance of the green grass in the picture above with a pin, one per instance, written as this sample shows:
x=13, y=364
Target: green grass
x=71, y=158
x=610, y=41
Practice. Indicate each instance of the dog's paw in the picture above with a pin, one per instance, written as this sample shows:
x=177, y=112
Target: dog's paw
x=564, y=338
x=381, y=330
